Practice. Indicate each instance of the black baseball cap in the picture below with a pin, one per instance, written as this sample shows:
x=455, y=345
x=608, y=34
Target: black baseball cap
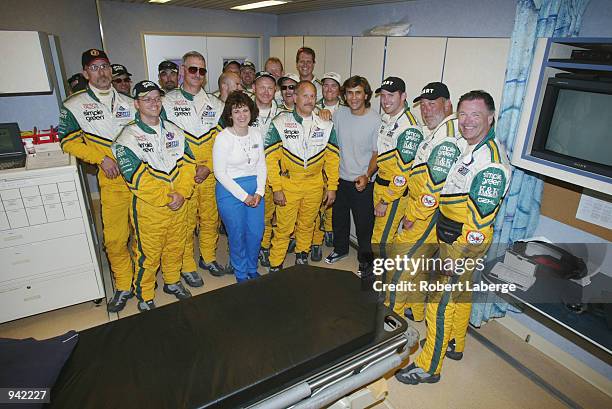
x=392, y=84
x=261, y=74
x=119, y=69
x=167, y=65
x=433, y=90
x=144, y=87
x=91, y=55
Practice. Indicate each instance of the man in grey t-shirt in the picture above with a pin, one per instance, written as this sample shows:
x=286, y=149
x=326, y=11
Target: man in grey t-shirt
x=357, y=131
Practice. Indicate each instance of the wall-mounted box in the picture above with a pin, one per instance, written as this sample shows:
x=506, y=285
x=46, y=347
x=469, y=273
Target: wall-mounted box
x=25, y=63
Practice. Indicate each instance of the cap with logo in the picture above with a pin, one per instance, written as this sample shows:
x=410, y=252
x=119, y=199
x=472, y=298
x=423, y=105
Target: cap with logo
x=247, y=64
x=433, y=90
x=92, y=55
x=144, y=87
x=290, y=76
x=167, y=65
x=332, y=76
x=262, y=74
x=392, y=84
x=119, y=69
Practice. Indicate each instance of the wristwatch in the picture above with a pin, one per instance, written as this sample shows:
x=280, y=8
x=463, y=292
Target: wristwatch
x=383, y=202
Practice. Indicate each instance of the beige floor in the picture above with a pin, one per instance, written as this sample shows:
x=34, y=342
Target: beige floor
x=480, y=380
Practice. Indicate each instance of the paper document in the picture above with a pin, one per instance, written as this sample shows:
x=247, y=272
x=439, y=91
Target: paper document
x=594, y=208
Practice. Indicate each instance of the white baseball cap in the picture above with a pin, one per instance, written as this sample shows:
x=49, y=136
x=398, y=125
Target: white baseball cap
x=291, y=76
x=332, y=76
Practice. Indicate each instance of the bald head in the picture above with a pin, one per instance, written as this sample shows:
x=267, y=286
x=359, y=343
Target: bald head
x=228, y=82
x=305, y=85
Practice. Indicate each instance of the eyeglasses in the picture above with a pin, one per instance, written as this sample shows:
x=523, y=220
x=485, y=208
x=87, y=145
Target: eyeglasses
x=150, y=100
x=95, y=68
x=120, y=80
x=286, y=87
x=201, y=71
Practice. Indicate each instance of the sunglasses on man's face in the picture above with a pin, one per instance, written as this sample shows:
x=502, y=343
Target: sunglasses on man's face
x=120, y=80
x=286, y=87
x=194, y=70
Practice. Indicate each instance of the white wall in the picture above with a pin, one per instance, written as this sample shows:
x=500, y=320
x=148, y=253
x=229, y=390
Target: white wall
x=123, y=24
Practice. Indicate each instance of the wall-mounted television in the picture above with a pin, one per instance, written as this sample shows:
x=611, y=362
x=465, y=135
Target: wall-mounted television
x=575, y=125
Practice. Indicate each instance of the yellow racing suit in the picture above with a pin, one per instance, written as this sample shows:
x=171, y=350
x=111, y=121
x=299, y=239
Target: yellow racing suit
x=469, y=202
x=198, y=115
x=323, y=223
x=296, y=157
x=434, y=158
x=399, y=137
x=263, y=124
x=87, y=128
x=155, y=165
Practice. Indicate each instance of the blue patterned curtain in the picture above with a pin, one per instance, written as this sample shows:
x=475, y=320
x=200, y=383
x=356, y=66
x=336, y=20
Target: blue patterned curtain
x=520, y=211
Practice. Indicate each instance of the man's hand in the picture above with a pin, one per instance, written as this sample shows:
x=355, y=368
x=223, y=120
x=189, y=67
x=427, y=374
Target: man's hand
x=249, y=200
x=279, y=198
x=381, y=209
x=256, y=199
x=361, y=182
x=177, y=201
x=407, y=224
x=325, y=114
x=202, y=173
x=109, y=167
x=330, y=197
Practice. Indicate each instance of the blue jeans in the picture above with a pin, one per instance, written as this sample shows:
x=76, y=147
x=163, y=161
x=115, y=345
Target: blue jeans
x=244, y=225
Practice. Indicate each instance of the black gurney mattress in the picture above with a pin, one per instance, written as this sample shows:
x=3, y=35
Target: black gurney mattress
x=226, y=348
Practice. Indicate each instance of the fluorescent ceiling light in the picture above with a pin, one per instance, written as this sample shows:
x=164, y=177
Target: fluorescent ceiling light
x=159, y=1
x=259, y=4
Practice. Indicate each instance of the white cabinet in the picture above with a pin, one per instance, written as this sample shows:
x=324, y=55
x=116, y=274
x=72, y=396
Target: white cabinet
x=47, y=250
x=368, y=58
x=476, y=63
x=338, y=55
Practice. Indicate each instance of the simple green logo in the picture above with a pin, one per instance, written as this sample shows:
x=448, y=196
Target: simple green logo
x=408, y=143
x=487, y=190
x=441, y=160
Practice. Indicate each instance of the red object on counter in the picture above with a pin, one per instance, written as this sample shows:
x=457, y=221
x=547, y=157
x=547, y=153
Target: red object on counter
x=42, y=136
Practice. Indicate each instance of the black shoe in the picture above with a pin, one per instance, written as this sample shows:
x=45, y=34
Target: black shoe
x=316, y=253
x=301, y=258
x=333, y=257
x=364, y=269
x=178, y=290
x=264, y=257
x=229, y=269
x=117, y=303
x=213, y=267
x=274, y=269
x=329, y=239
x=292, y=244
x=193, y=279
x=413, y=375
x=146, y=306
x=450, y=352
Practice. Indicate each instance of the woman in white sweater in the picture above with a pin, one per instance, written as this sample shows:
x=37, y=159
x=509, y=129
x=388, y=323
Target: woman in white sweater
x=240, y=168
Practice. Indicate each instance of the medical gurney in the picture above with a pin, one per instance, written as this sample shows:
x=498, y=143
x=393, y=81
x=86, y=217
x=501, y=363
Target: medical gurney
x=306, y=336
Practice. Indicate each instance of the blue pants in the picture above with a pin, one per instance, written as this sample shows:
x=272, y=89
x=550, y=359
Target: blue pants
x=244, y=225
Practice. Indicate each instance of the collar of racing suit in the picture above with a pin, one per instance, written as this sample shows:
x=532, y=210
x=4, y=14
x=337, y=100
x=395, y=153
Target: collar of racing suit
x=146, y=128
x=490, y=136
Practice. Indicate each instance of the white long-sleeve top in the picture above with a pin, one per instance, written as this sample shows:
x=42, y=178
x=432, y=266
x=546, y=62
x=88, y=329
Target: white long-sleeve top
x=237, y=156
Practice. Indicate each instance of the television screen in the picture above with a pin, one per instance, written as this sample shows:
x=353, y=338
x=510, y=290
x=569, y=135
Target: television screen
x=581, y=126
